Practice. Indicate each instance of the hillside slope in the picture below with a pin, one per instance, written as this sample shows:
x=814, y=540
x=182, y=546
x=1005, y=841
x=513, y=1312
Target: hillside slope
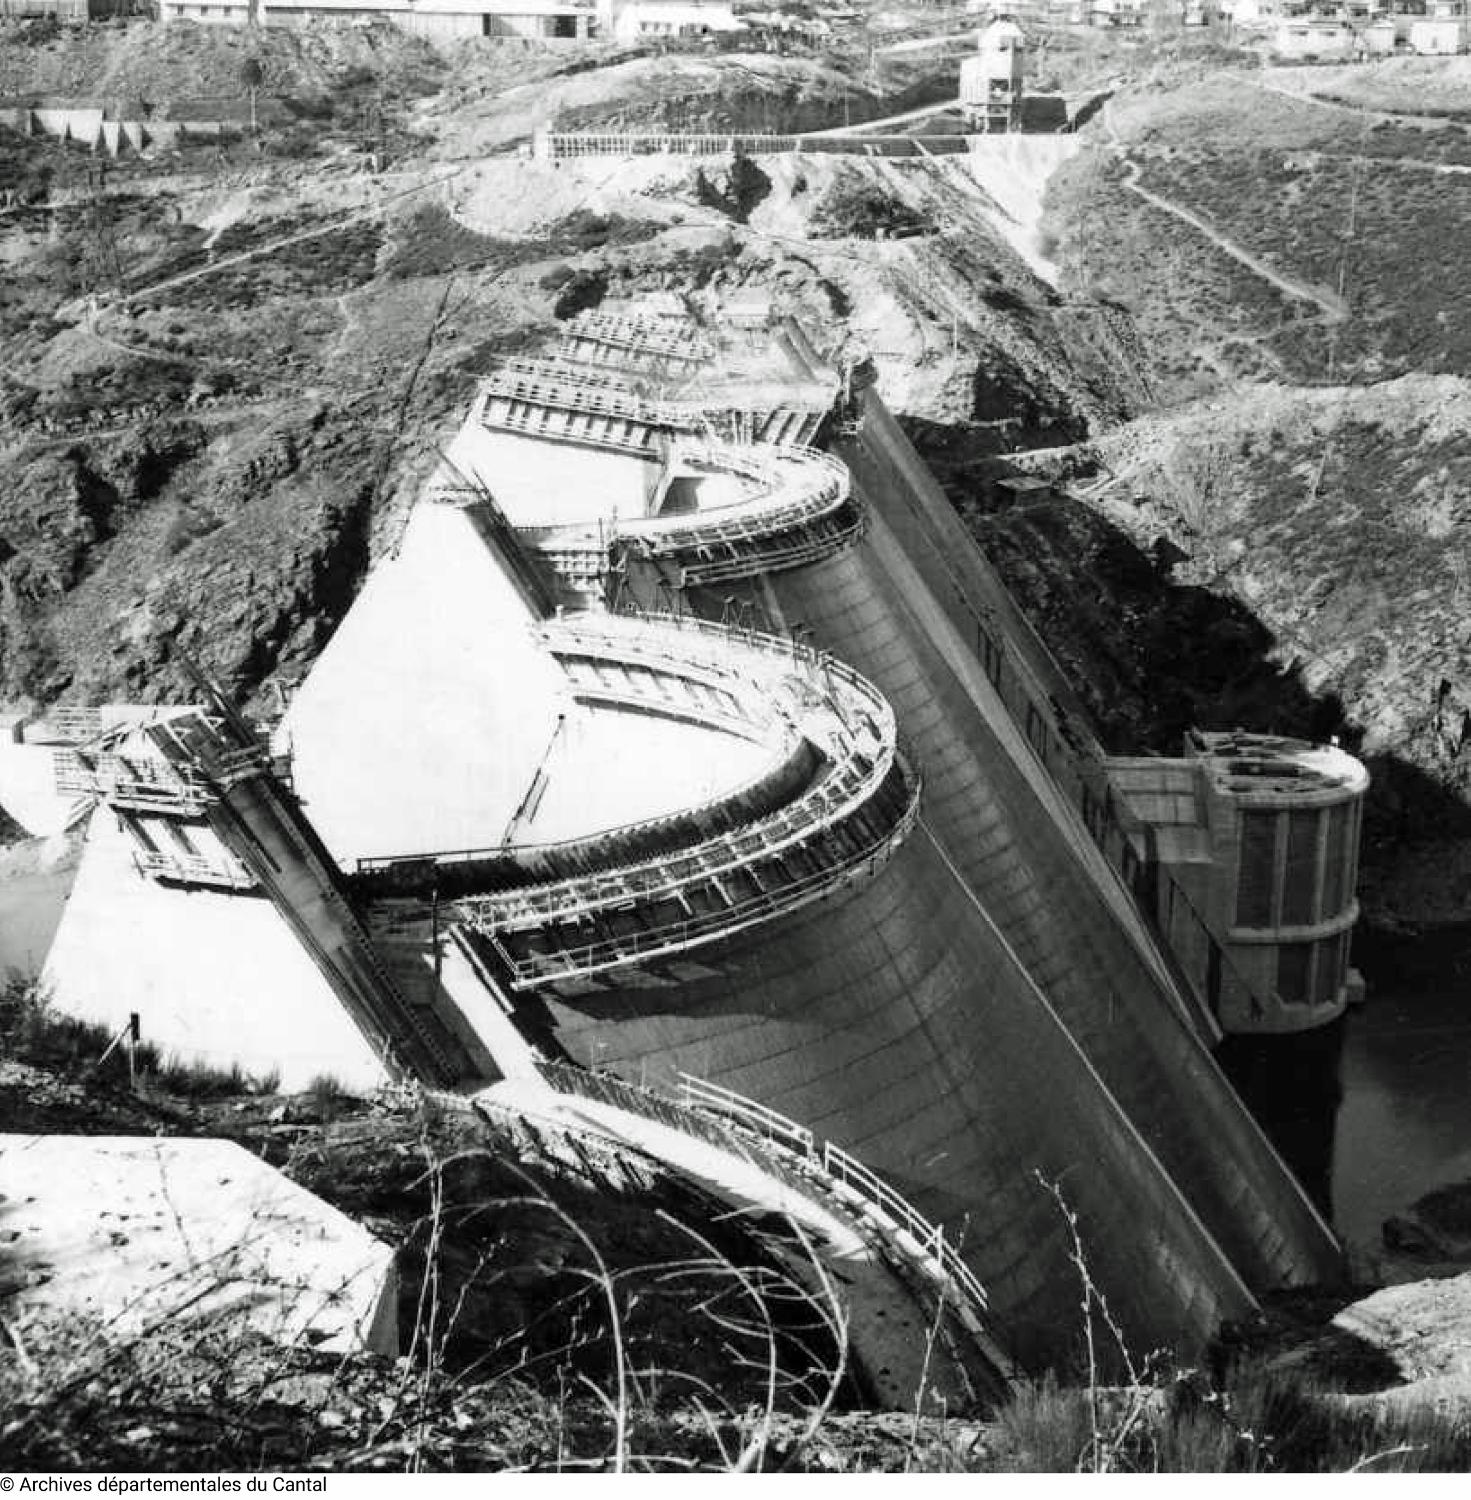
x=1304, y=457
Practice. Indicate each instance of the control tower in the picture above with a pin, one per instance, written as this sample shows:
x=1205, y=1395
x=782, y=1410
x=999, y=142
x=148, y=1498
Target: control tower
x=991, y=79
x=1260, y=835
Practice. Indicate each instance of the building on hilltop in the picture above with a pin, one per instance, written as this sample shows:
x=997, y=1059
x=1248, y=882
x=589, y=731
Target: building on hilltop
x=630, y=20
x=1445, y=30
x=1309, y=38
x=1380, y=37
x=991, y=80
x=67, y=10
x=566, y=20
x=1128, y=14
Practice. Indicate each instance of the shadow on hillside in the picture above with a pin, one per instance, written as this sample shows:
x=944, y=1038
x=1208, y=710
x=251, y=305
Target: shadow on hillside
x=1091, y=108
x=1044, y=114
x=1152, y=656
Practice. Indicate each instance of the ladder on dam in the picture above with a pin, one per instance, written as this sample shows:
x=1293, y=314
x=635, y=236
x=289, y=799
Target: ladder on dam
x=261, y=825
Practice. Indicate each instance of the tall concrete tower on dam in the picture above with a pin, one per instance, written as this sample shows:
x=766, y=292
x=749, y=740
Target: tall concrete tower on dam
x=665, y=743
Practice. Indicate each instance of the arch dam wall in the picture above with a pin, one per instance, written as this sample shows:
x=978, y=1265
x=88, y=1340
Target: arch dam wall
x=990, y=1006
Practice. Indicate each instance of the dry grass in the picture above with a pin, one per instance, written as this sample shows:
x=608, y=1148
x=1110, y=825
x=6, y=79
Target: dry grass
x=1262, y=1415
x=33, y=1032
x=699, y=1360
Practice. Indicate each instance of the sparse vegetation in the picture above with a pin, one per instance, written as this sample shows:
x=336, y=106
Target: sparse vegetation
x=858, y=207
x=549, y=1325
x=34, y=1033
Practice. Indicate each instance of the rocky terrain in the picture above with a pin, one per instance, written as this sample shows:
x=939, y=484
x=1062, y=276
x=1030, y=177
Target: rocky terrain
x=229, y=367
x=231, y=364
x=1301, y=457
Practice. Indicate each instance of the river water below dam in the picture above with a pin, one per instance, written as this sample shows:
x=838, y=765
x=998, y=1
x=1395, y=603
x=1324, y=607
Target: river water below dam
x=1404, y=1126
x=1374, y=1111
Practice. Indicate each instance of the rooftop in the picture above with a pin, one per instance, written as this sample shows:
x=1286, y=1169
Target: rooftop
x=1252, y=766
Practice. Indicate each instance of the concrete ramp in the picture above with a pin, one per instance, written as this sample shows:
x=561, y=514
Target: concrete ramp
x=220, y=976
x=911, y=1353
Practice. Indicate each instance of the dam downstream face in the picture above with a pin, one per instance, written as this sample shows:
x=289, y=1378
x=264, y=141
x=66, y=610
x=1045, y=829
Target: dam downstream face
x=884, y=919
x=891, y=1022
x=1024, y=861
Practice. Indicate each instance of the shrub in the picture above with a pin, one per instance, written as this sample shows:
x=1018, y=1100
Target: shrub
x=432, y=242
x=857, y=207
x=577, y=290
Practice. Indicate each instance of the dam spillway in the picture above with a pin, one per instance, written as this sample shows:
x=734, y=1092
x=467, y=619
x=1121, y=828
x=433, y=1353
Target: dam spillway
x=841, y=865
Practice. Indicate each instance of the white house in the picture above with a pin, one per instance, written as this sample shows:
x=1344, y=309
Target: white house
x=1315, y=37
x=1439, y=35
x=628, y=20
x=544, y=19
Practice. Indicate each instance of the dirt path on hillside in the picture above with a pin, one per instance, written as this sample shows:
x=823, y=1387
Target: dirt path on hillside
x=341, y=221
x=1359, y=111
x=1333, y=307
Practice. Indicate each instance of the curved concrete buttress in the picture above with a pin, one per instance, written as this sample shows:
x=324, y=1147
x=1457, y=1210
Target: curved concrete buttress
x=1026, y=857
x=895, y=1021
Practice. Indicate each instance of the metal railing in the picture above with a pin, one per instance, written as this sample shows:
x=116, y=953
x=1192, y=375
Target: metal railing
x=785, y=1134
x=567, y=144
x=697, y=1093
x=137, y=783
x=195, y=869
x=670, y=340
x=863, y=748
x=797, y=486
x=791, y=549
x=835, y=798
x=658, y=143
x=790, y=1153
x=638, y=438
x=75, y=724
x=539, y=384
x=570, y=961
x=783, y=523
x=651, y=636
x=665, y=825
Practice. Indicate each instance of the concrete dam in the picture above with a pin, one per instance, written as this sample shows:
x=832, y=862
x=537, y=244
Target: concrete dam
x=667, y=746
